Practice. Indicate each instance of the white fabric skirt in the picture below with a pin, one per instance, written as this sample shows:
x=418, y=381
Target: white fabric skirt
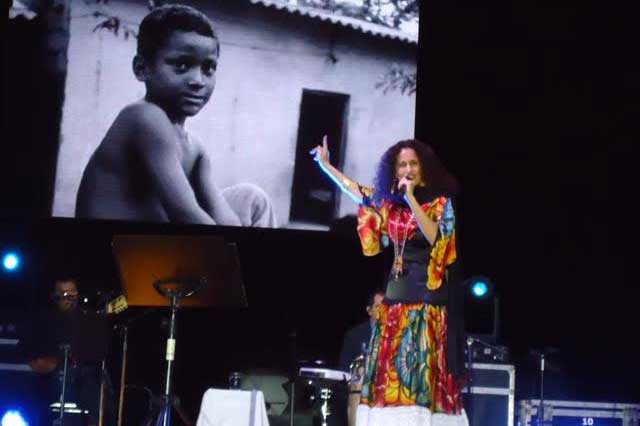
x=406, y=416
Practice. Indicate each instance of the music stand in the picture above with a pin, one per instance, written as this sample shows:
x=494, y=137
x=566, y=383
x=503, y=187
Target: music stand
x=178, y=271
x=87, y=343
x=90, y=338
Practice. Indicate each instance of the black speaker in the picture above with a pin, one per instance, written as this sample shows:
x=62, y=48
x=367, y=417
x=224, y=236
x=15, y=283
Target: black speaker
x=490, y=401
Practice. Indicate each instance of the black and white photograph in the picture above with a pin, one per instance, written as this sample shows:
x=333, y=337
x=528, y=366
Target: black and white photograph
x=286, y=74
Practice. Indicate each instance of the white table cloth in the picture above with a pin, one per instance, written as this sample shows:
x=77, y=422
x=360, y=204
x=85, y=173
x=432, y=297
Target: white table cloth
x=222, y=407
x=406, y=416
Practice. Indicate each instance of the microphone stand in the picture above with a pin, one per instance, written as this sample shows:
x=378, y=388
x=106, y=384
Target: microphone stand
x=541, y=420
x=103, y=373
x=125, y=336
x=124, y=330
x=292, y=376
x=65, y=348
x=470, y=370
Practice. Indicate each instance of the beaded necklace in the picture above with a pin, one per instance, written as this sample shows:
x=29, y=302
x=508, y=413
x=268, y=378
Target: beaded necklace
x=398, y=246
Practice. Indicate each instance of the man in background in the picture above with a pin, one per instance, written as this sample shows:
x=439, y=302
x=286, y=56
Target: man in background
x=356, y=339
x=60, y=333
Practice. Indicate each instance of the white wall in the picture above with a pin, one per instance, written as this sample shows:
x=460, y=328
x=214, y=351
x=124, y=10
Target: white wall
x=250, y=125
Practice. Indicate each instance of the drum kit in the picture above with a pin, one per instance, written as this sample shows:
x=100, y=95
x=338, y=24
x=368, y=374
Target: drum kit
x=355, y=387
x=317, y=388
x=320, y=392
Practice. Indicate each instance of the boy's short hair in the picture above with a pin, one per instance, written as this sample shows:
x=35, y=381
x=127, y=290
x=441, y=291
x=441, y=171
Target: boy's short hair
x=162, y=22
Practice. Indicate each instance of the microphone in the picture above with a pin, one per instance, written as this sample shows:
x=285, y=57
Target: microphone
x=403, y=188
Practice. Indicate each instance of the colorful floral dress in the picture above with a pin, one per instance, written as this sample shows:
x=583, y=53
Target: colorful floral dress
x=407, y=379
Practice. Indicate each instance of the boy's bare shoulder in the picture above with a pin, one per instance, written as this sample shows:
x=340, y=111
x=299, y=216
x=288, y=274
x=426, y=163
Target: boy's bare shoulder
x=147, y=125
x=142, y=113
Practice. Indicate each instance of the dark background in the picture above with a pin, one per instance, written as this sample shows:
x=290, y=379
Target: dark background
x=533, y=105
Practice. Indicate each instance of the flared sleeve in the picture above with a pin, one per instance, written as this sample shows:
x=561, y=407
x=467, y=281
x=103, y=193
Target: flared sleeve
x=443, y=251
x=372, y=224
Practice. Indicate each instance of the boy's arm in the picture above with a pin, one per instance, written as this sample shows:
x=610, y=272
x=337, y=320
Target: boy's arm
x=210, y=196
x=155, y=139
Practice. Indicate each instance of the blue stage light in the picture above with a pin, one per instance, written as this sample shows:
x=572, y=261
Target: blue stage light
x=479, y=288
x=11, y=261
x=13, y=418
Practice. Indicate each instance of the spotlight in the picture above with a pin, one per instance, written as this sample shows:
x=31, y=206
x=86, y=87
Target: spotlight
x=13, y=418
x=11, y=261
x=480, y=287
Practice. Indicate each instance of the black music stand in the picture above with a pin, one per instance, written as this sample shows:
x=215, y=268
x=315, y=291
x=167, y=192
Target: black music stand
x=87, y=342
x=178, y=271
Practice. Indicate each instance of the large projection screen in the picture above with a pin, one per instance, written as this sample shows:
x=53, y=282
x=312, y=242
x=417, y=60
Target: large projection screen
x=288, y=72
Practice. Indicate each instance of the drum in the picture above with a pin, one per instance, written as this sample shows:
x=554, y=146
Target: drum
x=356, y=378
x=273, y=386
x=318, y=389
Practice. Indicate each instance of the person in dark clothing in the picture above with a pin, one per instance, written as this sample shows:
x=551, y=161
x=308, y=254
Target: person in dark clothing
x=354, y=344
x=63, y=337
x=356, y=339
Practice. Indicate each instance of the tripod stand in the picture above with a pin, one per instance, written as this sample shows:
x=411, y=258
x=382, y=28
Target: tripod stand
x=174, y=290
x=204, y=265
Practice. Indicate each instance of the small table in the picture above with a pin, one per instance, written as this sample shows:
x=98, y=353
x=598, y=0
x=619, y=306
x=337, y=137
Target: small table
x=222, y=407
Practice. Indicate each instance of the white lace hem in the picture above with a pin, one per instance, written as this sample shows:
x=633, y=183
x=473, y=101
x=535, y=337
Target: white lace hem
x=406, y=416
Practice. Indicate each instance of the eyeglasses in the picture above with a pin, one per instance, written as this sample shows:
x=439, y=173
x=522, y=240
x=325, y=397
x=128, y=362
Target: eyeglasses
x=67, y=295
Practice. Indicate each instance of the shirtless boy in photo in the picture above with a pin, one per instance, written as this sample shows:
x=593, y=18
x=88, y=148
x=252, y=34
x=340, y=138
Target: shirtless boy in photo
x=147, y=167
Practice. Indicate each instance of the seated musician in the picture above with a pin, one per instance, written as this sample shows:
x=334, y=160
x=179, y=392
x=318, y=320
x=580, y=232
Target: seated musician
x=355, y=343
x=53, y=334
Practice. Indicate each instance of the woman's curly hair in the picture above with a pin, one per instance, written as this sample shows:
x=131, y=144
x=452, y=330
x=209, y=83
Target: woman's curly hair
x=436, y=177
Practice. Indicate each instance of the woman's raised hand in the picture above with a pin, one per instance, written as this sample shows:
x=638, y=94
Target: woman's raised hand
x=321, y=152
